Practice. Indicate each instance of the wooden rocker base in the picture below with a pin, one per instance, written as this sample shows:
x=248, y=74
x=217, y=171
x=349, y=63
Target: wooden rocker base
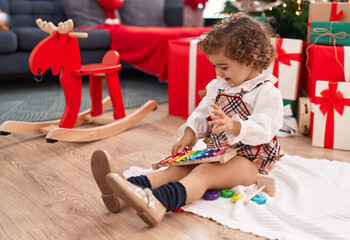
x=9, y=127
x=55, y=133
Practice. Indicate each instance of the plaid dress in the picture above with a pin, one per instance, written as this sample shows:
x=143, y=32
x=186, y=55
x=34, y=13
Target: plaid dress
x=264, y=156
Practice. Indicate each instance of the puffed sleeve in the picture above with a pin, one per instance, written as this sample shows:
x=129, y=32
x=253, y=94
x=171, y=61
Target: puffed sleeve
x=197, y=121
x=265, y=120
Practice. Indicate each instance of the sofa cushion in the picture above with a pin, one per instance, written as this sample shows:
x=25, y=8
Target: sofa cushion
x=97, y=39
x=4, y=5
x=29, y=37
x=8, y=41
x=173, y=13
x=84, y=12
x=142, y=12
x=25, y=12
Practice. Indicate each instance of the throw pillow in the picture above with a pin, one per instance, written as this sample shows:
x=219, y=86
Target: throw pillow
x=143, y=12
x=4, y=20
x=84, y=12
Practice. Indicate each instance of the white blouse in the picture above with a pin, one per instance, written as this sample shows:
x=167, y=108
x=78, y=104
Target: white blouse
x=264, y=103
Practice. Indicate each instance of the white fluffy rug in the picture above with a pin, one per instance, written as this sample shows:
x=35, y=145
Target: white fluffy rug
x=312, y=202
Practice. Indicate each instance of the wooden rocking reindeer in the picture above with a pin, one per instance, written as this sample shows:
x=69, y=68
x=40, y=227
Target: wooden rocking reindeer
x=60, y=52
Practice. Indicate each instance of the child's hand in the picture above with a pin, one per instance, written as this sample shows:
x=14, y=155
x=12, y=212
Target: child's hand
x=187, y=141
x=223, y=122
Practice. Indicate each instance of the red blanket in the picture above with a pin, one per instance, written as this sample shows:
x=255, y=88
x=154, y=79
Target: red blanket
x=146, y=47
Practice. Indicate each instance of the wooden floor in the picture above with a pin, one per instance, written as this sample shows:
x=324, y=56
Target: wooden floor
x=47, y=190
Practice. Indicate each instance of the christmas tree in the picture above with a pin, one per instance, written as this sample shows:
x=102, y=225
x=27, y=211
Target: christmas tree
x=288, y=17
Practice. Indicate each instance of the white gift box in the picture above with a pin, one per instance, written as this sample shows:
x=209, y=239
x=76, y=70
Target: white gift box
x=287, y=66
x=331, y=124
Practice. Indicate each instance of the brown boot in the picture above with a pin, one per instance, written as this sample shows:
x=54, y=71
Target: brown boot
x=100, y=167
x=149, y=209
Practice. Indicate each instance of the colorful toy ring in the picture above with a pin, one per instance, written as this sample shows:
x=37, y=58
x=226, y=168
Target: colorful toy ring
x=211, y=195
x=226, y=193
x=236, y=197
x=259, y=199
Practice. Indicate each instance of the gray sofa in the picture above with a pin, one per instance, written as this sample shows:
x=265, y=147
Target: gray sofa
x=17, y=43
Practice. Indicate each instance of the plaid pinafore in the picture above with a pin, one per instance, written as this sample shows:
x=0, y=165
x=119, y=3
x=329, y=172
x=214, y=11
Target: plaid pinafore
x=263, y=156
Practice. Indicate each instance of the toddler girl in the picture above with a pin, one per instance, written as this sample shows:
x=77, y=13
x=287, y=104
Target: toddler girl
x=242, y=109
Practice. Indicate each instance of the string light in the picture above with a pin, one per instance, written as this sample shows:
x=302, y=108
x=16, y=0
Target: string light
x=285, y=9
x=298, y=12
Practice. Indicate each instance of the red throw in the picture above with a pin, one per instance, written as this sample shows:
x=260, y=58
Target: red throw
x=146, y=47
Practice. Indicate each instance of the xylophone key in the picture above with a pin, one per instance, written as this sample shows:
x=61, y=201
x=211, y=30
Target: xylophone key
x=186, y=158
x=222, y=151
x=211, y=153
x=183, y=157
x=200, y=155
x=191, y=156
x=192, y=153
x=205, y=155
x=176, y=157
x=194, y=156
x=166, y=160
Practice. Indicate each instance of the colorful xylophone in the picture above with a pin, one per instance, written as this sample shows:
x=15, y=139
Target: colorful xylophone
x=196, y=157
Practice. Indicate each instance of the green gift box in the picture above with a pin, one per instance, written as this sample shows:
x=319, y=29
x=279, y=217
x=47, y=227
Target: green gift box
x=330, y=33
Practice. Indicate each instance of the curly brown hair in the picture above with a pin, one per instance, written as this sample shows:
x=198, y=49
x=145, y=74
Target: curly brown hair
x=243, y=39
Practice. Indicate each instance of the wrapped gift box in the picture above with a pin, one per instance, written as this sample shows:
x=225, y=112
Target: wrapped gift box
x=328, y=12
x=332, y=115
x=189, y=71
x=287, y=67
x=324, y=63
x=330, y=33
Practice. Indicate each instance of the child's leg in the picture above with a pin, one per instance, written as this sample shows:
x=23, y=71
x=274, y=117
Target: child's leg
x=170, y=174
x=152, y=205
x=238, y=171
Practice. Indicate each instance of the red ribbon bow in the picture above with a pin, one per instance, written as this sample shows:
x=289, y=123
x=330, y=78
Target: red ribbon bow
x=283, y=57
x=329, y=101
x=334, y=15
